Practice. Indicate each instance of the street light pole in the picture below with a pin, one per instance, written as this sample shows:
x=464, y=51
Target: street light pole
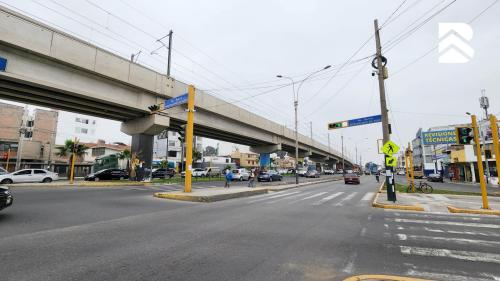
x=295, y=106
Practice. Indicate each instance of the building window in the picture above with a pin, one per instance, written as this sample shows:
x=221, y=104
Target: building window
x=171, y=143
x=82, y=120
x=172, y=154
x=79, y=130
x=98, y=151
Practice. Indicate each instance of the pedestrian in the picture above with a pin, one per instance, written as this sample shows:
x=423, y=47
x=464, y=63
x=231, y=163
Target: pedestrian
x=229, y=178
x=377, y=176
x=251, y=178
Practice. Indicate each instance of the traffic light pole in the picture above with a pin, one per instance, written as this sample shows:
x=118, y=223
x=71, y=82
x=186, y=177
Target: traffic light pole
x=496, y=149
x=189, y=139
x=389, y=176
x=482, y=181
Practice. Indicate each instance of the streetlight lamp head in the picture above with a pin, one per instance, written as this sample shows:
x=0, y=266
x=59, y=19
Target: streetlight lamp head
x=326, y=67
x=468, y=113
x=279, y=76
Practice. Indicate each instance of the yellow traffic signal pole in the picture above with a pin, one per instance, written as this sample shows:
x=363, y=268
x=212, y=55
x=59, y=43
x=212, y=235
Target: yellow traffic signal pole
x=482, y=181
x=189, y=139
x=407, y=170
x=412, y=172
x=73, y=154
x=496, y=150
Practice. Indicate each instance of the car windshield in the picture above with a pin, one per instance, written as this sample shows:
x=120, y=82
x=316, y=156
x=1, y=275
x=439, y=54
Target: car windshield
x=351, y=175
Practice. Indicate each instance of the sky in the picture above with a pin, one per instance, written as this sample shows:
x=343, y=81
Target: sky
x=235, y=49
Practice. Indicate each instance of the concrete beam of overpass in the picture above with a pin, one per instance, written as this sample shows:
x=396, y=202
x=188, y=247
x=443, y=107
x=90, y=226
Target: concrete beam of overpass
x=266, y=148
x=149, y=125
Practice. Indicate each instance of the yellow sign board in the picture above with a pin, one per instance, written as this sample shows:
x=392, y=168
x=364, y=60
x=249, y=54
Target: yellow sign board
x=390, y=161
x=390, y=148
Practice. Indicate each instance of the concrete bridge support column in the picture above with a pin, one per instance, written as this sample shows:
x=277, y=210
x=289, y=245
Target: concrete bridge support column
x=143, y=131
x=265, y=160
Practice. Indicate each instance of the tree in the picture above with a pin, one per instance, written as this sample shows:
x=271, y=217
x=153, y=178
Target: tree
x=210, y=151
x=197, y=155
x=164, y=164
x=71, y=147
x=125, y=154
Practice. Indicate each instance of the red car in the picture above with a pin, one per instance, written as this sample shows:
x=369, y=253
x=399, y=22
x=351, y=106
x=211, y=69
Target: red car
x=351, y=178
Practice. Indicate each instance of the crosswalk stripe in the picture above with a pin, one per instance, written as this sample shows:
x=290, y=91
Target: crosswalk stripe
x=367, y=196
x=484, y=225
x=308, y=197
x=348, y=197
x=446, y=253
x=288, y=197
x=435, y=216
x=328, y=198
x=271, y=196
x=404, y=237
x=437, y=230
x=444, y=276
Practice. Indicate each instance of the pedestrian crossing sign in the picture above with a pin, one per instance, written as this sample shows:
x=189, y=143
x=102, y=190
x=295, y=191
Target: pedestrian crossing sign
x=390, y=161
x=390, y=148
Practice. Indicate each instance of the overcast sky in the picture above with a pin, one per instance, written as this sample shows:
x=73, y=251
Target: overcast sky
x=236, y=48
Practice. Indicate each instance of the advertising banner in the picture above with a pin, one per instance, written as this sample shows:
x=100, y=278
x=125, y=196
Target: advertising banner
x=439, y=137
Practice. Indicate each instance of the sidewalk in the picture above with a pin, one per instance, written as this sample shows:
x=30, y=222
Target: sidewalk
x=219, y=193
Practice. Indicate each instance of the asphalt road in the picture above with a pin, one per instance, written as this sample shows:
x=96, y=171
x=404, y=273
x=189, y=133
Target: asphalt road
x=320, y=232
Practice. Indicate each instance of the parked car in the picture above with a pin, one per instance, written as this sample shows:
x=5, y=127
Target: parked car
x=282, y=171
x=340, y=172
x=28, y=175
x=6, y=198
x=418, y=174
x=329, y=172
x=291, y=171
x=302, y=172
x=400, y=172
x=312, y=174
x=269, y=176
x=212, y=172
x=3, y=171
x=163, y=173
x=367, y=172
x=107, y=174
x=240, y=174
x=351, y=178
x=435, y=177
x=198, y=172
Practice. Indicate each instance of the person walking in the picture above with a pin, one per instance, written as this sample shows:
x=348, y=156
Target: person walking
x=251, y=179
x=377, y=176
x=229, y=178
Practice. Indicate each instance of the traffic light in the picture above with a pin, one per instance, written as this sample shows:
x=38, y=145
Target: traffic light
x=182, y=133
x=336, y=125
x=464, y=135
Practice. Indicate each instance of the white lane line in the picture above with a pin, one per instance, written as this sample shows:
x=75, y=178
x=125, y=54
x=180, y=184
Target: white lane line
x=466, y=217
x=348, y=197
x=367, y=196
x=443, y=276
x=308, y=197
x=363, y=231
x=436, y=230
x=271, y=196
x=288, y=197
x=469, y=224
x=454, y=254
x=349, y=268
x=440, y=197
x=462, y=241
x=328, y=198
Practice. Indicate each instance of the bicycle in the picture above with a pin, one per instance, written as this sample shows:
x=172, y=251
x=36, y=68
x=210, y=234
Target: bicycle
x=423, y=187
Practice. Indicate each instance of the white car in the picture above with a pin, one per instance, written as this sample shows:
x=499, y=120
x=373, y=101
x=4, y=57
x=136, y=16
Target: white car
x=240, y=174
x=302, y=172
x=3, y=171
x=29, y=175
x=329, y=172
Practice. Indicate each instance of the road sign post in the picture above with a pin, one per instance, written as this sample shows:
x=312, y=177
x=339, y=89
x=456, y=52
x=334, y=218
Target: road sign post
x=389, y=149
x=189, y=138
x=479, y=155
x=496, y=149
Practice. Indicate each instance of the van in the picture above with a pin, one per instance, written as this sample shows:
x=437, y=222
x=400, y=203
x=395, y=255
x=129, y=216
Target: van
x=212, y=171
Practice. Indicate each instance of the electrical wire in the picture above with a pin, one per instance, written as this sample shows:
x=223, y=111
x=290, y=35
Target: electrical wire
x=391, y=15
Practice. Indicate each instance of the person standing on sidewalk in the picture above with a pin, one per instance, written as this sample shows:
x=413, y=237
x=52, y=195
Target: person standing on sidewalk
x=251, y=179
x=229, y=178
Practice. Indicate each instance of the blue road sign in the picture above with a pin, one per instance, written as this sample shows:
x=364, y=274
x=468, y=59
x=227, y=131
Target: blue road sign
x=364, y=120
x=3, y=64
x=176, y=101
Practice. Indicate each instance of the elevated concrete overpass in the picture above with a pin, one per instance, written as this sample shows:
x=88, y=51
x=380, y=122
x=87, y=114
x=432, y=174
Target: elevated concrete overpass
x=50, y=68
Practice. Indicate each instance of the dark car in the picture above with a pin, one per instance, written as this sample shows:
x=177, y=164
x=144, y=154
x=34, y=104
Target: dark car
x=163, y=173
x=269, y=176
x=351, y=178
x=107, y=174
x=435, y=177
x=312, y=174
x=6, y=198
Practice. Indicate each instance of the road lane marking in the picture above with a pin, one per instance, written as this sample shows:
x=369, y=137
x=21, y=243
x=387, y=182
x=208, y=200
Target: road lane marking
x=328, y=198
x=363, y=231
x=348, y=197
x=308, y=197
x=349, y=268
x=484, y=225
x=443, y=276
x=367, y=196
x=462, y=241
x=271, y=196
x=454, y=254
x=288, y=197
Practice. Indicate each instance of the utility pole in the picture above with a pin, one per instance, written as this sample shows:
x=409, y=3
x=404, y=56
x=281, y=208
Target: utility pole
x=311, y=126
x=496, y=149
x=484, y=103
x=169, y=51
x=391, y=193
x=482, y=182
x=22, y=132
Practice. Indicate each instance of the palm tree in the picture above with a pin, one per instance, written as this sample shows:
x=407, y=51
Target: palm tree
x=71, y=147
x=125, y=154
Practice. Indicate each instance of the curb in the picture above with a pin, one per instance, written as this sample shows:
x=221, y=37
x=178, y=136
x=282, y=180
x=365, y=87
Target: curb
x=383, y=277
x=452, y=209
x=375, y=204
x=209, y=198
x=83, y=184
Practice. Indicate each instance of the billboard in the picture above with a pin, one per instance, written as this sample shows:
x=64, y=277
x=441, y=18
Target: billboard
x=439, y=137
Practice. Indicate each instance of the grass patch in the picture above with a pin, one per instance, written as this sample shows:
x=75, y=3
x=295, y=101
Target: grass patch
x=402, y=188
x=178, y=179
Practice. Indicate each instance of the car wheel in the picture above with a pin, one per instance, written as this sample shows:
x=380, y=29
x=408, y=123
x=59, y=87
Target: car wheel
x=121, y=178
x=241, y=178
x=270, y=179
x=6, y=181
x=96, y=179
x=46, y=180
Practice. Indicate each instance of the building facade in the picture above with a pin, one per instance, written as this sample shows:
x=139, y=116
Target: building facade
x=245, y=160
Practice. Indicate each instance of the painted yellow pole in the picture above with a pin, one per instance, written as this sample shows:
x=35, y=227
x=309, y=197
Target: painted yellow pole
x=412, y=171
x=189, y=139
x=407, y=171
x=496, y=149
x=479, y=155
x=72, y=170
